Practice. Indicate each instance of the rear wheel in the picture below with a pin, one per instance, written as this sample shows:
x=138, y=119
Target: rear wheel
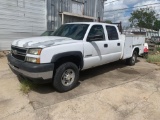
x=66, y=77
x=131, y=61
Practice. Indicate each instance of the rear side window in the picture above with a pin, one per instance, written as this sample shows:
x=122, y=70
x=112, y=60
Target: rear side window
x=112, y=33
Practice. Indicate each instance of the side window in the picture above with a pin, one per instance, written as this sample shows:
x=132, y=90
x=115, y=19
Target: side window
x=96, y=33
x=112, y=33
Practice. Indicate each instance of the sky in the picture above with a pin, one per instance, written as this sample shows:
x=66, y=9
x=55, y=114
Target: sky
x=123, y=15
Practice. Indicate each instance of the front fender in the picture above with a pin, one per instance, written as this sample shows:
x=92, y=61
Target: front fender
x=71, y=54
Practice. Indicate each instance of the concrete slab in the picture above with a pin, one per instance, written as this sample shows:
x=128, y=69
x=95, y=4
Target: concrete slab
x=137, y=100
x=91, y=81
x=110, y=92
x=12, y=101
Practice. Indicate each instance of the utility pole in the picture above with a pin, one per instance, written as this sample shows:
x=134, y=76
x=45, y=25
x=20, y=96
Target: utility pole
x=95, y=12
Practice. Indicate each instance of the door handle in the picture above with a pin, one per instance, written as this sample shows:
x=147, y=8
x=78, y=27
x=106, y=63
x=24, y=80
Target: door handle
x=118, y=44
x=105, y=45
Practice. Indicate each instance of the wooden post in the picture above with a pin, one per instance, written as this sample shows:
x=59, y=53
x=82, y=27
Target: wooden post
x=62, y=18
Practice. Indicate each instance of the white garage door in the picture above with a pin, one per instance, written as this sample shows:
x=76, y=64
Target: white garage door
x=21, y=19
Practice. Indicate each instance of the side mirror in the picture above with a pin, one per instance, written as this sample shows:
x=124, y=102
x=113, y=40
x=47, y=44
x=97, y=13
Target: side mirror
x=95, y=38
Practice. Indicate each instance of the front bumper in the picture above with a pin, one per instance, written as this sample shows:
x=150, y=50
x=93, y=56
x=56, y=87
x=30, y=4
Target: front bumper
x=37, y=73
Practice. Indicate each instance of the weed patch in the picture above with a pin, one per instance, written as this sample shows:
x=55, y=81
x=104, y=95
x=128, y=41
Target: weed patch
x=154, y=59
x=26, y=86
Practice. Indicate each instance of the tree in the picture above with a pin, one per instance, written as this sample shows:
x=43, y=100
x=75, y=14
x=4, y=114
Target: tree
x=108, y=21
x=156, y=25
x=143, y=18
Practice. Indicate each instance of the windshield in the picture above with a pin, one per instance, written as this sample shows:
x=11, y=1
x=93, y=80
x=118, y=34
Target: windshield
x=47, y=33
x=74, y=31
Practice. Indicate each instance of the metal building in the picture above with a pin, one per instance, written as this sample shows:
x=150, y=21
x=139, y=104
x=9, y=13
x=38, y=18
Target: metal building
x=29, y=18
x=63, y=11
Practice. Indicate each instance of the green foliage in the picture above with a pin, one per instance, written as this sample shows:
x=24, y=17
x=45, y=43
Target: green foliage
x=108, y=21
x=156, y=25
x=143, y=18
x=26, y=86
x=153, y=58
x=158, y=49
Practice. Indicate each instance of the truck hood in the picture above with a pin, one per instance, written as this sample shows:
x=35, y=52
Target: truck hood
x=42, y=42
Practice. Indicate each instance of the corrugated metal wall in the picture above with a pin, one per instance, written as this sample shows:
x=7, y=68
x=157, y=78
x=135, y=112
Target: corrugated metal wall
x=86, y=7
x=21, y=19
x=27, y=18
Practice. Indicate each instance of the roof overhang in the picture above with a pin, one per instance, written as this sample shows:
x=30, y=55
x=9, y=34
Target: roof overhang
x=76, y=15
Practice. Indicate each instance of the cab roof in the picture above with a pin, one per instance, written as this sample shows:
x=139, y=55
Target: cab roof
x=91, y=23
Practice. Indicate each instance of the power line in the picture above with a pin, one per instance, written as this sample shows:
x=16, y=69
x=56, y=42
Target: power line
x=120, y=12
x=130, y=7
x=127, y=11
x=112, y=1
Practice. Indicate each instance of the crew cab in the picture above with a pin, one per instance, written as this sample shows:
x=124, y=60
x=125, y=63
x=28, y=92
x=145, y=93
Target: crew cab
x=73, y=47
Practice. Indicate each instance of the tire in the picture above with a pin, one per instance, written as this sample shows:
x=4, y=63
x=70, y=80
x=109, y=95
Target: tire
x=66, y=77
x=131, y=61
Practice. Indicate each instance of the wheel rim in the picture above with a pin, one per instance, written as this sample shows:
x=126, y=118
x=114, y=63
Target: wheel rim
x=68, y=77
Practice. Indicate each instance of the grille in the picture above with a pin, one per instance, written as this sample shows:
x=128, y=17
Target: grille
x=18, y=53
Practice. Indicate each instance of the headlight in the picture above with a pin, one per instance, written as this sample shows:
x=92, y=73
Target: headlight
x=34, y=51
x=33, y=60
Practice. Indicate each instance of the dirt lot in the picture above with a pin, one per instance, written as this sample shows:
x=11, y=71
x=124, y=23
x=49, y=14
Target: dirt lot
x=110, y=92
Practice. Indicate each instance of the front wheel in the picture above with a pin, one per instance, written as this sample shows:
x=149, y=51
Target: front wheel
x=131, y=61
x=66, y=77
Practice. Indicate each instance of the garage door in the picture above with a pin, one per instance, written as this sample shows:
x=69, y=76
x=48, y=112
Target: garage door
x=21, y=19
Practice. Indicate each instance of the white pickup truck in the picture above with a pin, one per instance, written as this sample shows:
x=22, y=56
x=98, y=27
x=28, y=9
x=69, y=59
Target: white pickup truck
x=73, y=47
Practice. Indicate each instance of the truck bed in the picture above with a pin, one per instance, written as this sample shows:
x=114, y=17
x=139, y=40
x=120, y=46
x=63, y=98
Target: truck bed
x=130, y=42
